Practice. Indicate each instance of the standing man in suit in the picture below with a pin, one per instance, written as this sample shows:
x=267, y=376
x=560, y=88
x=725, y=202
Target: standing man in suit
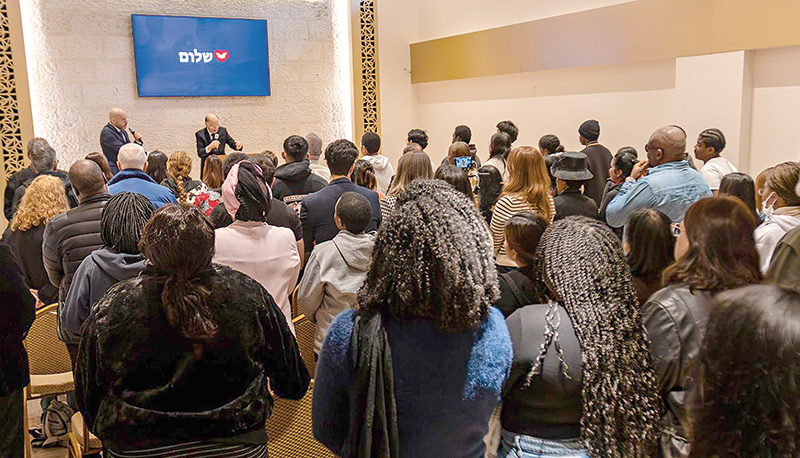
x=212, y=140
x=113, y=136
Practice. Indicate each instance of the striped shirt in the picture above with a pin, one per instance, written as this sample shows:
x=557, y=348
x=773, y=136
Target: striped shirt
x=506, y=207
x=196, y=450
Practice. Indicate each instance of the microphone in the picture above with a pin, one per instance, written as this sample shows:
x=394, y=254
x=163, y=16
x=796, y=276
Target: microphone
x=216, y=135
x=133, y=132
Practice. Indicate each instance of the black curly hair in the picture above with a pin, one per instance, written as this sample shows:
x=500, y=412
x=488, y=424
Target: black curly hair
x=582, y=263
x=433, y=259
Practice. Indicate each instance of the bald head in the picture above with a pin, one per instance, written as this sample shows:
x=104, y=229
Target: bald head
x=118, y=118
x=667, y=144
x=212, y=123
x=87, y=178
x=131, y=156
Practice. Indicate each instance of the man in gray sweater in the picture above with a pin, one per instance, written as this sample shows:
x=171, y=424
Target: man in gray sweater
x=337, y=268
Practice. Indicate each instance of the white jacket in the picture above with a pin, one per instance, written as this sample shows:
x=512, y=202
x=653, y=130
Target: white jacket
x=772, y=230
x=383, y=170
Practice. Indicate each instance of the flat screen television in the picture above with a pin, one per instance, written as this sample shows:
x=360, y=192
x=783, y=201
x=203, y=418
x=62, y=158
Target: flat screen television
x=179, y=56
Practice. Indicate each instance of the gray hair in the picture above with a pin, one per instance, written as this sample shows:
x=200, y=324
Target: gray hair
x=36, y=143
x=314, y=145
x=132, y=156
x=43, y=158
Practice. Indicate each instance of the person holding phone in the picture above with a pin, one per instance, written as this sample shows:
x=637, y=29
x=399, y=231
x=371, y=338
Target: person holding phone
x=460, y=156
x=665, y=181
x=211, y=140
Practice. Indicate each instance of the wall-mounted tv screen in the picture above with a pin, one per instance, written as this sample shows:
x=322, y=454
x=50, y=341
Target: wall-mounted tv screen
x=199, y=56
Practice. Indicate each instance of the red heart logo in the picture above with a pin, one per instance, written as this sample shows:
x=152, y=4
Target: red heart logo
x=221, y=54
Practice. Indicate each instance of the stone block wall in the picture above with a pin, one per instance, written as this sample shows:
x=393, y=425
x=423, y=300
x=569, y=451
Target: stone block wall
x=81, y=64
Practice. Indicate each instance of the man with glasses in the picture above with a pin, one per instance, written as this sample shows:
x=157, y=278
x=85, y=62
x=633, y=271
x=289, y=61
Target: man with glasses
x=665, y=181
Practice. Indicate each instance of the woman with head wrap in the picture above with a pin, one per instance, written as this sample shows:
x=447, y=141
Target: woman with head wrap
x=266, y=253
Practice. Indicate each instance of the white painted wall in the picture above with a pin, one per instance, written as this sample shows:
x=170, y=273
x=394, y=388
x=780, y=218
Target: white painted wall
x=754, y=97
x=80, y=64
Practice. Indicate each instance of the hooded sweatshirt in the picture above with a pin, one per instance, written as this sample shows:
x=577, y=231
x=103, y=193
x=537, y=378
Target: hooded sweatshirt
x=777, y=223
x=97, y=273
x=335, y=272
x=293, y=181
x=383, y=170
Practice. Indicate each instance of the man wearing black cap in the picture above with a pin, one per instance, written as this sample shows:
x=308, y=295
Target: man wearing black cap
x=599, y=158
x=571, y=172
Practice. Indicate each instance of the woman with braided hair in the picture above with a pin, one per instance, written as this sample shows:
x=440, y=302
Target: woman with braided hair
x=582, y=383
x=179, y=167
x=424, y=356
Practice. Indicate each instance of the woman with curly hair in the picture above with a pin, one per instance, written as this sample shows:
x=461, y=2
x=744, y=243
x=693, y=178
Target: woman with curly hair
x=424, y=356
x=582, y=383
x=527, y=190
x=715, y=251
x=748, y=403
x=44, y=199
x=364, y=176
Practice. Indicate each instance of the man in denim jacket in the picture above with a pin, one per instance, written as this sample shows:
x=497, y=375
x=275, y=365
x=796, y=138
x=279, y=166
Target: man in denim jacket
x=665, y=181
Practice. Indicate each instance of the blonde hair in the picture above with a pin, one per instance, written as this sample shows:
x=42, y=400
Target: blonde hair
x=528, y=179
x=412, y=166
x=44, y=199
x=179, y=166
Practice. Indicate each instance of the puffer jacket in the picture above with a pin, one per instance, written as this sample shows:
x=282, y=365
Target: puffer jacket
x=69, y=238
x=676, y=319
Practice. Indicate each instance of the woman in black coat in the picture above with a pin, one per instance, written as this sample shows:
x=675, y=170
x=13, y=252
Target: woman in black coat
x=18, y=310
x=181, y=356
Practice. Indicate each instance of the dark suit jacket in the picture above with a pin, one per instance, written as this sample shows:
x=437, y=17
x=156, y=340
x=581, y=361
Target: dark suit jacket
x=111, y=141
x=18, y=308
x=203, y=139
x=599, y=162
x=316, y=212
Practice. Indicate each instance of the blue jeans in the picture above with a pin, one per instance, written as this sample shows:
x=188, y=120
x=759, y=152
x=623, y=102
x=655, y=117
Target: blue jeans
x=514, y=445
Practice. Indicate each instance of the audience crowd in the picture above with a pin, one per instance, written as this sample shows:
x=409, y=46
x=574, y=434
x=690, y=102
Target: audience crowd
x=543, y=303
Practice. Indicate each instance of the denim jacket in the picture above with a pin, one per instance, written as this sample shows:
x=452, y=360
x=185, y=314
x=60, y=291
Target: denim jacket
x=671, y=188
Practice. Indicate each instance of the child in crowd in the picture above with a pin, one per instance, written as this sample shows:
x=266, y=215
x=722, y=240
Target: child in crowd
x=337, y=268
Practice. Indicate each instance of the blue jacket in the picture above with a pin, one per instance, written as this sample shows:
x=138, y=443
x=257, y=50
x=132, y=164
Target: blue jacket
x=671, y=188
x=138, y=182
x=446, y=385
x=316, y=212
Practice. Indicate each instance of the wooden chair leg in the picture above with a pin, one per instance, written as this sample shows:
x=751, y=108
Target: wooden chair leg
x=25, y=434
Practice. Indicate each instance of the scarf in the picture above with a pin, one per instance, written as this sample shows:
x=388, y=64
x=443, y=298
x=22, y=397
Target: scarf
x=231, y=196
x=373, y=430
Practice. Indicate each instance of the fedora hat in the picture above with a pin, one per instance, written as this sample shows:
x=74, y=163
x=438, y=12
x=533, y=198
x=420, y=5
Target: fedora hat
x=572, y=167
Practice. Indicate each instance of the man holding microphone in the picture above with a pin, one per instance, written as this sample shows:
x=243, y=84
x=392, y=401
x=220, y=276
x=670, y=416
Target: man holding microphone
x=212, y=140
x=114, y=135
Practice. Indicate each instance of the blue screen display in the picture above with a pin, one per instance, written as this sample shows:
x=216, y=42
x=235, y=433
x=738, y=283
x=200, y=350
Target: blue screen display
x=197, y=57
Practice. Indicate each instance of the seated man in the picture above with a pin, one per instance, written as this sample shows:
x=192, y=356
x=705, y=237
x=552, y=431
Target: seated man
x=211, y=140
x=132, y=163
x=71, y=236
x=665, y=181
x=337, y=268
x=113, y=136
x=572, y=173
x=317, y=209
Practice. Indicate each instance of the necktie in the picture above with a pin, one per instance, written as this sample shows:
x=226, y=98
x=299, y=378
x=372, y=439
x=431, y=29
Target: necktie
x=124, y=136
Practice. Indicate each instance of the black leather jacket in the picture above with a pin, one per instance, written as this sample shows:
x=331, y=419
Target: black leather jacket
x=676, y=319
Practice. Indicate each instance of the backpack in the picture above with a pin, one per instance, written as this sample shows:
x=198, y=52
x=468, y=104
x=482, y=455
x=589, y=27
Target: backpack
x=55, y=426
